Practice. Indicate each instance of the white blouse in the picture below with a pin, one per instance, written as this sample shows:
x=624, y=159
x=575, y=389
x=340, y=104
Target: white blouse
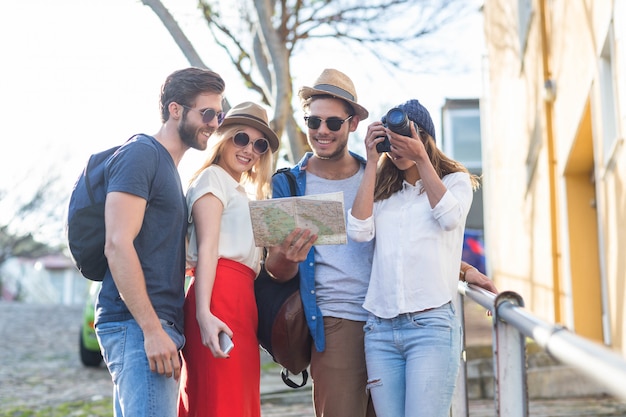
x=418, y=250
x=236, y=241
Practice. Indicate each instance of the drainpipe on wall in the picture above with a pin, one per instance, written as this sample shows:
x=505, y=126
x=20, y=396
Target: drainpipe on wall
x=552, y=162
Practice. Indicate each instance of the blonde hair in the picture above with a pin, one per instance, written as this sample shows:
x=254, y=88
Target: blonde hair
x=389, y=178
x=258, y=177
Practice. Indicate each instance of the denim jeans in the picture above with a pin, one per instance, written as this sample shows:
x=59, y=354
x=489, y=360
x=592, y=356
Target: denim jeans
x=412, y=362
x=137, y=391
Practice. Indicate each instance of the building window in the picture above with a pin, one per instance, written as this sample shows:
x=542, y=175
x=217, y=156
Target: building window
x=524, y=15
x=607, y=100
x=463, y=136
x=534, y=147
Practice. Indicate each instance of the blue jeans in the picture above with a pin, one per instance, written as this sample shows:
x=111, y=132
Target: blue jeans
x=137, y=391
x=412, y=362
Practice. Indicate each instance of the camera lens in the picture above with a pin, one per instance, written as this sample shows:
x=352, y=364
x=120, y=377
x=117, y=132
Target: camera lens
x=398, y=121
x=396, y=117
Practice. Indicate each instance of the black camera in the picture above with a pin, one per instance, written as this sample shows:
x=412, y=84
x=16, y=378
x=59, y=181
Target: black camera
x=397, y=121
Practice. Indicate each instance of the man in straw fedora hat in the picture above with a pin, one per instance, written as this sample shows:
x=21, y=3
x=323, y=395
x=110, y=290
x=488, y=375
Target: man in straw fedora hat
x=333, y=279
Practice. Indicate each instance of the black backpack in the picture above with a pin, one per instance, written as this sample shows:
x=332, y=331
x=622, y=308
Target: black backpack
x=85, y=218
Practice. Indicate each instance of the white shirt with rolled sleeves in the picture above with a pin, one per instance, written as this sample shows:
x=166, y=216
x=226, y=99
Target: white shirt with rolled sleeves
x=418, y=248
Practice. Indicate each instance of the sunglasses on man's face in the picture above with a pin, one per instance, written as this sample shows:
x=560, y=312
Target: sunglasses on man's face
x=332, y=123
x=209, y=114
x=259, y=146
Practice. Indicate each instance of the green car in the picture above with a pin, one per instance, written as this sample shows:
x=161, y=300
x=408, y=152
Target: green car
x=89, y=347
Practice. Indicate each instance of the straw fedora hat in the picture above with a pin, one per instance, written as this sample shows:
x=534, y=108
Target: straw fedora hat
x=253, y=115
x=337, y=84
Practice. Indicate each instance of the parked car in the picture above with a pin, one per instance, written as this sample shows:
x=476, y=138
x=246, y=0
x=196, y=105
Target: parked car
x=88, y=346
x=474, y=249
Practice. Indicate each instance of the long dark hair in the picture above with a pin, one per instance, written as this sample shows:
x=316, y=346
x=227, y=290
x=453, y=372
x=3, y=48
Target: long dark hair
x=389, y=178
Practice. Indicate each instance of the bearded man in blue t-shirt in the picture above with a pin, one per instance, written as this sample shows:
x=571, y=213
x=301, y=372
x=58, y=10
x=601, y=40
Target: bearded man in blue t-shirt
x=139, y=311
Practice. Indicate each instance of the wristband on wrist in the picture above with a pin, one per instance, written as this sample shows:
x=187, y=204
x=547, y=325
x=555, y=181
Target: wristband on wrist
x=464, y=272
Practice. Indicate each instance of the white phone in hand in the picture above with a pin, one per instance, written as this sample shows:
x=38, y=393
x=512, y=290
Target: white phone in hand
x=226, y=343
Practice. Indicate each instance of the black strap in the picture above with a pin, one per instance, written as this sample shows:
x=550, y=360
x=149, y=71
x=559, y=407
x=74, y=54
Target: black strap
x=88, y=170
x=291, y=179
x=284, y=374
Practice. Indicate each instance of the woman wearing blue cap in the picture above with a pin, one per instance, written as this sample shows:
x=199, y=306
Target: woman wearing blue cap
x=414, y=200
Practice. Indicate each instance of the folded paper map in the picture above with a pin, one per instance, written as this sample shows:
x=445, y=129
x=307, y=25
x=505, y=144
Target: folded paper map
x=323, y=214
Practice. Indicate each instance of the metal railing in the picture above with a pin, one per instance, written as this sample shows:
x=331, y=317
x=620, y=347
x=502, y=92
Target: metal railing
x=512, y=323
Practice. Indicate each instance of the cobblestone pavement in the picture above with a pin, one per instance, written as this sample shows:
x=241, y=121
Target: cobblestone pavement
x=39, y=366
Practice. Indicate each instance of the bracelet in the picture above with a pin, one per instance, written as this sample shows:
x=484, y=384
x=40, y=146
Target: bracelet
x=464, y=272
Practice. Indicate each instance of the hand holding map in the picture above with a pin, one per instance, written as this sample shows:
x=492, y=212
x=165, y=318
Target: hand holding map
x=323, y=214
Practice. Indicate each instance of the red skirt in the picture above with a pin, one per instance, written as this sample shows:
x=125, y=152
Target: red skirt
x=223, y=387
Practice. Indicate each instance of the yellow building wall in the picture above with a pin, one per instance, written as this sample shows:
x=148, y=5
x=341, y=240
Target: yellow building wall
x=516, y=192
x=556, y=227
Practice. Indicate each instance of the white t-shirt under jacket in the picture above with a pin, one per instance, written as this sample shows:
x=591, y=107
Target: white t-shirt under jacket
x=418, y=249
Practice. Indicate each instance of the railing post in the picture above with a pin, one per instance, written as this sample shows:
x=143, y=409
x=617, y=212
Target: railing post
x=511, y=391
x=460, y=406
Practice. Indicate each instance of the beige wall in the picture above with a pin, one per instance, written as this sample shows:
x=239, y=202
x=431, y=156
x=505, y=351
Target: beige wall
x=555, y=212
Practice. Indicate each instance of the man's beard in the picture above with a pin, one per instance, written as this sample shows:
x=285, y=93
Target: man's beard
x=337, y=154
x=189, y=135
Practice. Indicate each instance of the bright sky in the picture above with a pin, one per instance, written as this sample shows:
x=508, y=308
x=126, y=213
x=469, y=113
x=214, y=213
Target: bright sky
x=79, y=76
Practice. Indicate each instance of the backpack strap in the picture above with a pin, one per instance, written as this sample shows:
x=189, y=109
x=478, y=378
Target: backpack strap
x=153, y=178
x=291, y=179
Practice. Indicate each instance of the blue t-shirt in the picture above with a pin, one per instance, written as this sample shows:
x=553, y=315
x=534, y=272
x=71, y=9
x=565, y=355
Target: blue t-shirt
x=143, y=167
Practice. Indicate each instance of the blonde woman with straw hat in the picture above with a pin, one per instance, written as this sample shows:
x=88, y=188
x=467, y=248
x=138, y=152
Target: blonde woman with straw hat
x=225, y=262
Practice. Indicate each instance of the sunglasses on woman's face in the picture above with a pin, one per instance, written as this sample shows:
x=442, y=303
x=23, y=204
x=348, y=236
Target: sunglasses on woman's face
x=332, y=123
x=259, y=146
x=209, y=114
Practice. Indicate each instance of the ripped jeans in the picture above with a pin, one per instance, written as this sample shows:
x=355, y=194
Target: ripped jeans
x=412, y=362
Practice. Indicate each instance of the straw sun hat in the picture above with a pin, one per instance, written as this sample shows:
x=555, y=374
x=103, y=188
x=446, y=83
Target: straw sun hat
x=253, y=115
x=337, y=84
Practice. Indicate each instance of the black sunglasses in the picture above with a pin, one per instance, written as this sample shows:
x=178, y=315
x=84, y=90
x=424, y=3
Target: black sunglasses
x=332, y=123
x=209, y=114
x=259, y=146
